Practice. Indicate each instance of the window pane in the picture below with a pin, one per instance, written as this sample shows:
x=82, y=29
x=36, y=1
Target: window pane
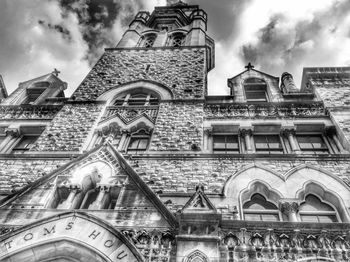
x=313, y=203
x=309, y=218
x=225, y=143
x=138, y=143
x=270, y=217
x=25, y=142
x=219, y=142
x=253, y=217
x=327, y=218
x=231, y=142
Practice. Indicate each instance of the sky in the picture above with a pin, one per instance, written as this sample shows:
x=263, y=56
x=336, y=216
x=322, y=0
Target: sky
x=37, y=36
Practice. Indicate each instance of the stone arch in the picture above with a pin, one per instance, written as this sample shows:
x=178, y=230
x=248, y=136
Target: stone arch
x=242, y=178
x=196, y=256
x=306, y=173
x=67, y=236
x=260, y=187
x=325, y=195
x=162, y=91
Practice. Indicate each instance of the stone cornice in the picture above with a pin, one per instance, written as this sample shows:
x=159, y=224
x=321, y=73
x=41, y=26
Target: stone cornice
x=265, y=110
x=28, y=112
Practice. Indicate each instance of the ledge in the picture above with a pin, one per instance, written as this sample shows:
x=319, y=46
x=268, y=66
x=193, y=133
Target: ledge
x=193, y=155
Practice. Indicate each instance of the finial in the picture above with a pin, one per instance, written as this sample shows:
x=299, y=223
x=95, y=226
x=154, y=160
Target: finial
x=249, y=66
x=56, y=72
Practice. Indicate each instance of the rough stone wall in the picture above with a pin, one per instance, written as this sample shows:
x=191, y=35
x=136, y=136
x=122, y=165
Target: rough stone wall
x=17, y=173
x=334, y=95
x=178, y=126
x=181, y=70
x=69, y=129
x=184, y=175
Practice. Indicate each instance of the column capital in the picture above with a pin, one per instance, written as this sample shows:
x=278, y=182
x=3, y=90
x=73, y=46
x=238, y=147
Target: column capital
x=244, y=131
x=104, y=187
x=15, y=132
x=208, y=131
x=286, y=131
x=288, y=206
x=75, y=187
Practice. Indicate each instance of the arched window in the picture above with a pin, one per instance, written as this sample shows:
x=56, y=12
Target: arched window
x=177, y=39
x=138, y=142
x=255, y=90
x=259, y=209
x=314, y=210
x=148, y=40
x=136, y=99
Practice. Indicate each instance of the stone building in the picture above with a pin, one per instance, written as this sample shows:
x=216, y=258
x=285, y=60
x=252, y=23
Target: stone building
x=140, y=164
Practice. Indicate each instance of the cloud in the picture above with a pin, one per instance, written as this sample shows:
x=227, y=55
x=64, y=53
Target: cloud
x=70, y=35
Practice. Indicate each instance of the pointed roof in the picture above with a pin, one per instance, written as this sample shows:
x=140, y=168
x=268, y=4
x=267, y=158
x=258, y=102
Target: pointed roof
x=199, y=202
x=3, y=91
x=116, y=160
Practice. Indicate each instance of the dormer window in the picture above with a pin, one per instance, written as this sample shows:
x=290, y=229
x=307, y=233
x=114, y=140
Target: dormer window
x=177, y=40
x=136, y=99
x=35, y=91
x=255, y=90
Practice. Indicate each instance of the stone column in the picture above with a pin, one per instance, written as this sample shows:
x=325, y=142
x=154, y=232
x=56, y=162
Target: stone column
x=290, y=134
x=124, y=141
x=331, y=132
x=102, y=198
x=74, y=198
x=208, y=139
x=246, y=133
x=290, y=209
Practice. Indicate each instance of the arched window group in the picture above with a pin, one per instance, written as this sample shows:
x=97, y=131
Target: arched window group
x=136, y=99
x=255, y=90
x=312, y=209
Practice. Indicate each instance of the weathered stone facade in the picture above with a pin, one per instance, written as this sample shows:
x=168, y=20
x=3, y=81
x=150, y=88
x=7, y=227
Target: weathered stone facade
x=182, y=71
x=140, y=164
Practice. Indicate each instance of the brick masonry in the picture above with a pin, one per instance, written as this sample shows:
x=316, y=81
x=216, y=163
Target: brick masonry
x=178, y=126
x=69, y=129
x=17, y=173
x=181, y=70
x=181, y=175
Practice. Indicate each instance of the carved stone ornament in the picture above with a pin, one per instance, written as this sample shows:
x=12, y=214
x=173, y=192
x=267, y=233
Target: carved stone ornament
x=287, y=207
x=272, y=110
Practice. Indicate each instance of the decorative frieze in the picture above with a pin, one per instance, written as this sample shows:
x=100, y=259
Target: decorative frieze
x=284, y=244
x=28, y=112
x=264, y=110
x=154, y=245
x=130, y=113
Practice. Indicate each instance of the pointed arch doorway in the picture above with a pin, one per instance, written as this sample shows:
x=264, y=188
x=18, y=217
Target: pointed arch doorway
x=68, y=237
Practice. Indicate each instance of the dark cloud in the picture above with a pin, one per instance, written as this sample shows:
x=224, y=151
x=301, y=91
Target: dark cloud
x=58, y=28
x=223, y=17
x=290, y=45
x=97, y=18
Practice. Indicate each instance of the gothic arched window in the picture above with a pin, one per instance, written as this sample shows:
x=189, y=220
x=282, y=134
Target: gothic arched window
x=148, y=40
x=177, y=40
x=138, y=142
x=259, y=209
x=314, y=210
x=255, y=90
x=136, y=99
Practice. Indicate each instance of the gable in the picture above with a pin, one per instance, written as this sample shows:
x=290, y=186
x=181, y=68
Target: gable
x=101, y=182
x=236, y=84
x=199, y=202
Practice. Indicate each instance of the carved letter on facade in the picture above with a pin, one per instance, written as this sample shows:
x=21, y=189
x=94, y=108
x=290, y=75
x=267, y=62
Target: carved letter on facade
x=94, y=235
x=46, y=231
